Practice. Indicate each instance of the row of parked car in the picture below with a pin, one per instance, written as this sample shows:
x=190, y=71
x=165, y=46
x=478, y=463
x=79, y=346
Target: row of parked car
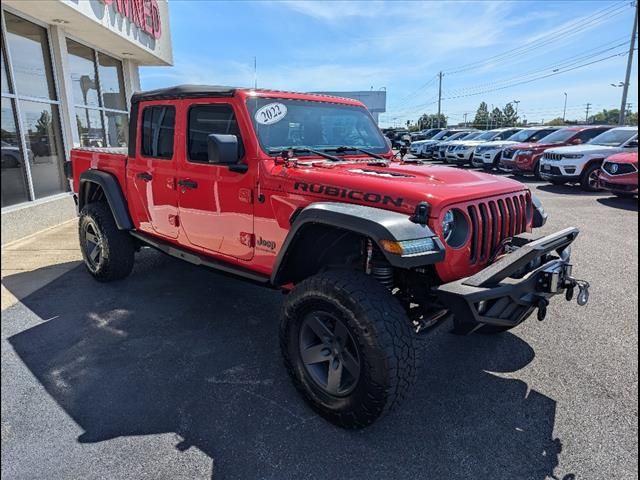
x=581, y=155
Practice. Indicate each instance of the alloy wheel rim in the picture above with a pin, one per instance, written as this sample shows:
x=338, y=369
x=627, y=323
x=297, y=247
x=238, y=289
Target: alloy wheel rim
x=593, y=179
x=329, y=353
x=93, y=245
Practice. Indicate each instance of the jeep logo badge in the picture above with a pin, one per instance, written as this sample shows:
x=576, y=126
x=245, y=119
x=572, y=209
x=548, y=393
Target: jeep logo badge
x=614, y=168
x=269, y=244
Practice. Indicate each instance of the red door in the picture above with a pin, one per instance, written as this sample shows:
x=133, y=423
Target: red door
x=215, y=203
x=152, y=173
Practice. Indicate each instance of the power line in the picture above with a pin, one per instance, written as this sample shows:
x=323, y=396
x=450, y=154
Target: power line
x=537, y=78
x=567, y=62
x=571, y=29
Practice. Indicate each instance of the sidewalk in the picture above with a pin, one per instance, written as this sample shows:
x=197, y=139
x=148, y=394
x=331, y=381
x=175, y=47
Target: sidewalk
x=54, y=251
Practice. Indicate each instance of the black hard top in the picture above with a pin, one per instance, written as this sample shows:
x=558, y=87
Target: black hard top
x=184, y=91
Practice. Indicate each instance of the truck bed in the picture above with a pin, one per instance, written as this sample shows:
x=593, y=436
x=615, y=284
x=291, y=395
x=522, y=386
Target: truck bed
x=111, y=160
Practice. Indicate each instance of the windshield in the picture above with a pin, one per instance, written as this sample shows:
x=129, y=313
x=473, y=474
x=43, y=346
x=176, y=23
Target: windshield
x=470, y=136
x=559, y=136
x=487, y=135
x=441, y=135
x=613, y=138
x=522, y=136
x=457, y=136
x=283, y=123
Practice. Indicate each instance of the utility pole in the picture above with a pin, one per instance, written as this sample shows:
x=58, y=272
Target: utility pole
x=255, y=72
x=586, y=118
x=440, y=75
x=564, y=111
x=465, y=120
x=625, y=87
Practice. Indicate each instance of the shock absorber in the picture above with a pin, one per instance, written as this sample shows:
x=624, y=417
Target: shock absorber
x=377, y=266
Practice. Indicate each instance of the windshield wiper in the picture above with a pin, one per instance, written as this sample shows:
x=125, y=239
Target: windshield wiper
x=356, y=149
x=307, y=150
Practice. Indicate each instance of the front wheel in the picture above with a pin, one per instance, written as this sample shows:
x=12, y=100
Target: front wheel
x=108, y=253
x=348, y=346
x=590, y=178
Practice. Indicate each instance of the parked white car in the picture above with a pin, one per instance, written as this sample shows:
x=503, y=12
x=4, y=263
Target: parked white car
x=488, y=154
x=439, y=151
x=427, y=147
x=461, y=152
x=582, y=163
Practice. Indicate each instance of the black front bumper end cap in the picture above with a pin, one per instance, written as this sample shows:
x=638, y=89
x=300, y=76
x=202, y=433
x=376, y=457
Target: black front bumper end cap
x=507, y=292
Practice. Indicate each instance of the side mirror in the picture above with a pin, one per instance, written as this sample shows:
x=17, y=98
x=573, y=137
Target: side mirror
x=576, y=141
x=222, y=149
x=632, y=144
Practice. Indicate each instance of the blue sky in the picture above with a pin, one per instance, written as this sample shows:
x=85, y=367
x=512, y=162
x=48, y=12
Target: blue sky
x=306, y=46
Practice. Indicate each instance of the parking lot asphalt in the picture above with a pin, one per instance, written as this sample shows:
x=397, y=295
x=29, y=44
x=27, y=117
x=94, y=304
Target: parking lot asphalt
x=175, y=373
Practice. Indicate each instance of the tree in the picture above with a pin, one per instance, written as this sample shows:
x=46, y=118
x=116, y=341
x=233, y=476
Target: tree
x=43, y=125
x=482, y=116
x=555, y=122
x=510, y=117
x=606, y=117
x=431, y=121
x=496, y=118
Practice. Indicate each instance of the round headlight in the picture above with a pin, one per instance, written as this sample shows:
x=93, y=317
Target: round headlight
x=448, y=225
x=455, y=228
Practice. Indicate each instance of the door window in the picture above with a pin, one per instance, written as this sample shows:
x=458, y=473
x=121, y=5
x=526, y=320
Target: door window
x=205, y=120
x=158, y=126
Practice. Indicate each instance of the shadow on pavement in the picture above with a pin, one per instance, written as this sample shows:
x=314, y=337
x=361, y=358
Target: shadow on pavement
x=174, y=348
x=567, y=190
x=629, y=204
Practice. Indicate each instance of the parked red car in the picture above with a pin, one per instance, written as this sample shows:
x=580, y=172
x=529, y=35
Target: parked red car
x=619, y=174
x=524, y=158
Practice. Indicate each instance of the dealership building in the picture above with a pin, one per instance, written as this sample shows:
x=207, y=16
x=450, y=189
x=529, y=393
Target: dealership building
x=69, y=68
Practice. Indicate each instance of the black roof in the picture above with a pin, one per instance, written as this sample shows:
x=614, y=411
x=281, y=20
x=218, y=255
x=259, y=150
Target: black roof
x=184, y=91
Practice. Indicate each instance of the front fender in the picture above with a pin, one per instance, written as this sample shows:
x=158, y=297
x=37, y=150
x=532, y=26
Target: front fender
x=374, y=223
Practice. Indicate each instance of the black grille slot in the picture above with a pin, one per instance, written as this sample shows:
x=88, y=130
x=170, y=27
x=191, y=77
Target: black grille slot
x=495, y=226
x=474, y=234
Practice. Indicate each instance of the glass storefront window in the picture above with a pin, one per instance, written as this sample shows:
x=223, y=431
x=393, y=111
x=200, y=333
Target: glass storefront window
x=117, y=129
x=84, y=81
x=111, y=82
x=5, y=78
x=90, y=127
x=41, y=125
x=29, y=49
x=14, y=176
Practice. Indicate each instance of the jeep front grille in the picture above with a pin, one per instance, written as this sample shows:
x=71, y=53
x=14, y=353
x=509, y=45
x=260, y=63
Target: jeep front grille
x=552, y=156
x=495, y=220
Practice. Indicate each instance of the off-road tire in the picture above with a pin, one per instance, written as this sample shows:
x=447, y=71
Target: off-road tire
x=586, y=177
x=381, y=331
x=117, y=247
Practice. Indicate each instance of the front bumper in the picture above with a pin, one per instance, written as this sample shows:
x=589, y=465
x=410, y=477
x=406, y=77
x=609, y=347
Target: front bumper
x=507, y=292
x=459, y=158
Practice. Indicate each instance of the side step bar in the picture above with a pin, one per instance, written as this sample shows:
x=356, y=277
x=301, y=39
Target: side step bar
x=200, y=260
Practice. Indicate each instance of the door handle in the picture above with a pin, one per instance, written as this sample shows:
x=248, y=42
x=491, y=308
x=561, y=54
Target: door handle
x=147, y=177
x=188, y=184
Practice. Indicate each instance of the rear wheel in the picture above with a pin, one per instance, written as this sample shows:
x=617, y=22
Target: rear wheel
x=590, y=178
x=348, y=346
x=108, y=253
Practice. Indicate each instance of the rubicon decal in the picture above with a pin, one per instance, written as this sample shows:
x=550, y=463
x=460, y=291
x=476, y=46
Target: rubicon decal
x=357, y=195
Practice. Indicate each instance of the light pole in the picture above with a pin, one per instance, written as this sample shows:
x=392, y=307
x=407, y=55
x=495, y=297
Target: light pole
x=564, y=110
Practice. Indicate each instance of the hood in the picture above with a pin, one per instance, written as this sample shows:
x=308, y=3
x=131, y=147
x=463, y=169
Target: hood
x=400, y=187
x=498, y=143
x=626, y=157
x=585, y=149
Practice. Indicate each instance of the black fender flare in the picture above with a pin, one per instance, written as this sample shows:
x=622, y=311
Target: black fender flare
x=112, y=192
x=374, y=223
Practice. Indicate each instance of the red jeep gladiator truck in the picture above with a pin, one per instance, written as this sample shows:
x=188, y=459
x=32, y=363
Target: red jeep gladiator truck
x=301, y=192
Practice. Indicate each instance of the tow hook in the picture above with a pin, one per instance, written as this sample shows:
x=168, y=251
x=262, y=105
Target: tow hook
x=583, y=291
